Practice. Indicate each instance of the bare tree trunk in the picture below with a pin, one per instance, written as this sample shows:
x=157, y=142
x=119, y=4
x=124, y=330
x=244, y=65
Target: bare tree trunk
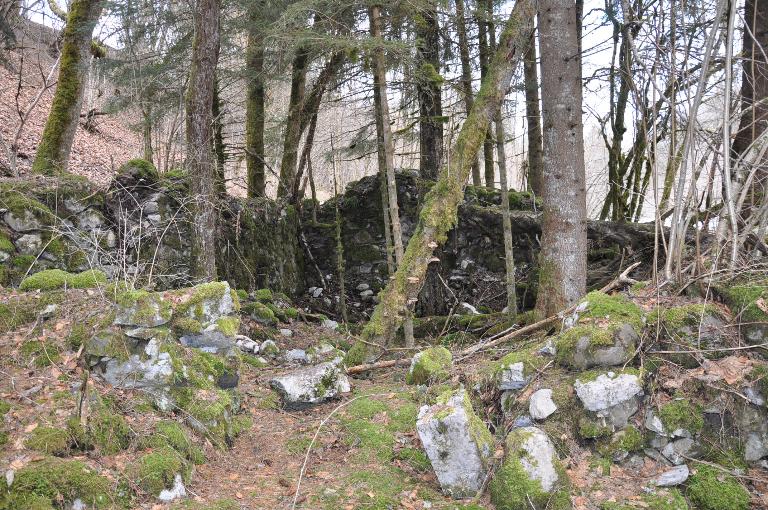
x=56, y=142
x=481, y=14
x=386, y=150
x=754, y=96
x=200, y=161
x=293, y=122
x=219, y=149
x=563, y=258
x=438, y=213
x=533, y=118
x=339, y=244
x=466, y=76
x=254, y=115
x=428, y=86
x=147, y=133
x=506, y=223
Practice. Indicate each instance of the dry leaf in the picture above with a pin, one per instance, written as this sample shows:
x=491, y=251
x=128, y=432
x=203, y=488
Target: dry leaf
x=731, y=369
x=29, y=428
x=761, y=304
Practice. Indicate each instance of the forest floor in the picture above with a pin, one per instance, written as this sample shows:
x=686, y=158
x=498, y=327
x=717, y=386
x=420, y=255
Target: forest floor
x=366, y=454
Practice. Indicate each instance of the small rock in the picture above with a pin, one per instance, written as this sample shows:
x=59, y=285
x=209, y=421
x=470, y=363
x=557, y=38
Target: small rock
x=297, y=356
x=311, y=385
x=317, y=292
x=330, y=324
x=653, y=423
x=457, y=443
x=49, y=311
x=363, y=286
x=269, y=348
x=541, y=404
x=512, y=377
x=366, y=294
x=29, y=244
x=469, y=309
x=675, y=476
x=548, y=349
x=246, y=344
x=522, y=421
x=676, y=450
x=286, y=332
x=177, y=491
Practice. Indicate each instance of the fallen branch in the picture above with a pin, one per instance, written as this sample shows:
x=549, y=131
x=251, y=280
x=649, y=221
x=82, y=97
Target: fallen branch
x=622, y=279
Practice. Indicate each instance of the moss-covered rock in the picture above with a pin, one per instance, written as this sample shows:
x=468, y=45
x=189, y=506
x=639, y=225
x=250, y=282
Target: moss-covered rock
x=531, y=475
x=586, y=346
x=261, y=313
x=141, y=308
x=681, y=414
x=51, y=279
x=56, y=480
x=108, y=431
x=430, y=366
x=156, y=471
x=690, y=327
x=172, y=434
x=49, y=440
x=743, y=301
x=710, y=488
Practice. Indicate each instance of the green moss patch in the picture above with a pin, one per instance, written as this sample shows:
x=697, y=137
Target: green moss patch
x=710, y=488
x=51, y=279
x=58, y=480
x=430, y=365
x=108, y=431
x=156, y=470
x=681, y=414
x=42, y=353
x=671, y=499
x=171, y=433
x=616, y=308
x=49, y=440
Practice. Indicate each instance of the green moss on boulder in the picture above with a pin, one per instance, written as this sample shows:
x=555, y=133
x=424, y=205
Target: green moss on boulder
x=682, y=414
x=430, y=366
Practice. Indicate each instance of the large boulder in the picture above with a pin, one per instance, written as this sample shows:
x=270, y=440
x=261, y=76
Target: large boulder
x=457, y=442
x=531, y=476
x=311, y=385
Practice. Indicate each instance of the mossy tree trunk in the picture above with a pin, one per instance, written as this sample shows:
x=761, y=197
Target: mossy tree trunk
x=200, y=160
x=439, y=211
x=466, y=76
x=254, y=111
x=386, y=150
x=293, y=121
x=428, y=90
x=533, y=117
x=482, y=14
x=56, y=142
x=219, y=148
x=563, y=257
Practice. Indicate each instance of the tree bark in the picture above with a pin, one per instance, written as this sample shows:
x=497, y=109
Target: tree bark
x=563, y=258
x=255, y=113
x=200, y=161
x=533, y=118
x=219, y=148
x=293, y=122
x=481, y=14
x=386, y=150
x=438, y=213
x=754, y=96
x=428, y=88
x=466, y=77
x=56, y=142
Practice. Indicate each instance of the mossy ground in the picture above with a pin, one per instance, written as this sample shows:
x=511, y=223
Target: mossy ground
x=710, y=488
x=51, y=279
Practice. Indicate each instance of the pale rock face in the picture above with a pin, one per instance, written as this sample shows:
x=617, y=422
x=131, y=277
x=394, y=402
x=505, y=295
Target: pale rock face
x=672, y=477
x=22, y=223
x=177, y=491
x=513, y=377
x=541, y=458
x=457, y=443
x=610, y=396
x=541, y=404
x=311, y=385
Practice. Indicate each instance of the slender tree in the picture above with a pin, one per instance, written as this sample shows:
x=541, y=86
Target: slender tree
x=563, y=257
x=200, y=160
x=466, y=76
x=533, y=117
x=428, y=86
x=293, y=122
x=56, y=143
x=386, y=152
x=482, y=14
x=439, y=211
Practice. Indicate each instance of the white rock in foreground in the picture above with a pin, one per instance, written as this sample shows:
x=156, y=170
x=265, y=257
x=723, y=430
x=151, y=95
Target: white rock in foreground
x=457, y=442
x=311, y=385
x=611, y=396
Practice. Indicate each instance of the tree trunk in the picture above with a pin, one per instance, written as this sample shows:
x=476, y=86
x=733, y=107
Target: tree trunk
x=428, y=87
x=509, y=255
x=59, y=133
x=254, y=115
x=219, y=149
x=466, y=77
x=386, y=150
x=754, y=96
x=293, y=122
x=563, y=258
x=200, y=162
x=438, y=213
x=147, y=133
x=533, y=118
x=481, y=14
